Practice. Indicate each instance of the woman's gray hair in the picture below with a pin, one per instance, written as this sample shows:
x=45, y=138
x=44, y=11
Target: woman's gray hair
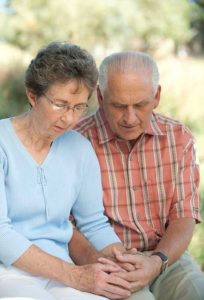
x=61, y=62
x=128, y=61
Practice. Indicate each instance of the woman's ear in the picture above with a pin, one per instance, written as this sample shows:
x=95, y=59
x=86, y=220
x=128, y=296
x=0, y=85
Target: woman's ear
x=31, y=97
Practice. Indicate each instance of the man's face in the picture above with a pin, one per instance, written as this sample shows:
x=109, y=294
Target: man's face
x=128, y=102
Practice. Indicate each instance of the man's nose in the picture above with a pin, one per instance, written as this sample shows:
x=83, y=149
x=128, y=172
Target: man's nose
x=130, y=115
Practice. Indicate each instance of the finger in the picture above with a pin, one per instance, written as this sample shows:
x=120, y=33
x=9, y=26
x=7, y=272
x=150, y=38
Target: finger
x=131, y=277
x=116, y=290
x=123, y=257
x=136, y=286
x=110, y=295
x=116, y=251
x=130, y=258
x=128, y=251
x=127, y=266
x=132, y=251
x=116, y=280
x=108, y=268
x=125, y=276
x=107, y=261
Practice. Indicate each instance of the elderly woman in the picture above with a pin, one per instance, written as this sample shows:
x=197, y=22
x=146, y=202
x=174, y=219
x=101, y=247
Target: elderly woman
x=47, y=171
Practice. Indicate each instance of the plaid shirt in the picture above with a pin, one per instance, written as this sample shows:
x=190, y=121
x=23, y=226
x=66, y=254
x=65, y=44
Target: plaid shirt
x=149, y=184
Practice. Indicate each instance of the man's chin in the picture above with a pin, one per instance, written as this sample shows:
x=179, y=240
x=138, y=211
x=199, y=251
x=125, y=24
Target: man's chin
x=128, y=137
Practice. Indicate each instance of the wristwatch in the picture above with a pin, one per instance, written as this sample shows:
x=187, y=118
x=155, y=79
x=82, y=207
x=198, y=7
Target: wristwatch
x=164, y=259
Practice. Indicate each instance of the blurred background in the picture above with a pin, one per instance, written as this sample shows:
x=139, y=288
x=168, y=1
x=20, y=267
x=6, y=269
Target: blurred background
x=171, y=31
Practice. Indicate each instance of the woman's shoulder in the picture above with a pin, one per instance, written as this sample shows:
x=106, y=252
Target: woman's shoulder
x=4, y=123
x=4, y=127
x=73, y=144
x=4, y=138
x=75, y=140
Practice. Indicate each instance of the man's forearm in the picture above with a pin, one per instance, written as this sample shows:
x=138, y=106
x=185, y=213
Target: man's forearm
x=81, y=251
x=176, y=238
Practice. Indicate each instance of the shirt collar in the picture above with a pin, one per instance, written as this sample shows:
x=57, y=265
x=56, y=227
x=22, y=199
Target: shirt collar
x=105, y=134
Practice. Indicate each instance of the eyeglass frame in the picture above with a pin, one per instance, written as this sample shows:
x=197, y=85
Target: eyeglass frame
x=66, y=107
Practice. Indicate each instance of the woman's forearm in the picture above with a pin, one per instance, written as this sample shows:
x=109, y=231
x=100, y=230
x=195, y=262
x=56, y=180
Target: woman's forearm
x=38, y=262
x=94, y=278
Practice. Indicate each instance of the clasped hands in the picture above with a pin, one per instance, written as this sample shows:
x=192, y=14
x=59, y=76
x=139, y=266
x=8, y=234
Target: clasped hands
x=131, y=271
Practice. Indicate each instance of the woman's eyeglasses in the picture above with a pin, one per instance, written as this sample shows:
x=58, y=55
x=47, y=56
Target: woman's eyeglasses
x=60, y=107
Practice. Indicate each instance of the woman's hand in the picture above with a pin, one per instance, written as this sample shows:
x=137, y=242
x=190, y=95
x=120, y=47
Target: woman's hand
x=100, y=279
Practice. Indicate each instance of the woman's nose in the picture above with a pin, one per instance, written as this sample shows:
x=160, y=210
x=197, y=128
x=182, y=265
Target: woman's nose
x=68, y=116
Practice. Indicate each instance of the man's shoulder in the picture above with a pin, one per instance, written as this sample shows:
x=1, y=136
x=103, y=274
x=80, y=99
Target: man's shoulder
x=86, y=125
x=168, y=124
x=166, y=120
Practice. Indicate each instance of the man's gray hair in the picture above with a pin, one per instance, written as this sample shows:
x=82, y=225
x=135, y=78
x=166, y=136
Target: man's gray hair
x=128, y=61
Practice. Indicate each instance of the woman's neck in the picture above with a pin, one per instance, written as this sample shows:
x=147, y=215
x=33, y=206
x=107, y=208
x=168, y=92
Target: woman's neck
x=29, y=133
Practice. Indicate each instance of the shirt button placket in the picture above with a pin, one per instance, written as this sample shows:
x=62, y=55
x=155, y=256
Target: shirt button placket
x=134, y=188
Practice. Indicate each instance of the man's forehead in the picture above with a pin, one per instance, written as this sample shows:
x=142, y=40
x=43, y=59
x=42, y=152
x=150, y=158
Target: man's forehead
x=140, y=73
x=124, y=83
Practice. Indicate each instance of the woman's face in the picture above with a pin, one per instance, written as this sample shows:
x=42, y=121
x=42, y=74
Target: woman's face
x=51, y=112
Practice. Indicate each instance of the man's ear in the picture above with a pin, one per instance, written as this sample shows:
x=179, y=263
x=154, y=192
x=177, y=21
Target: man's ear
x=31, y=97
x=157, y=96
x=99, y=96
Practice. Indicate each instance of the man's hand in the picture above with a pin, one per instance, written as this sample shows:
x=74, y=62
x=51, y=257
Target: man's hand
x=101, y=279
x=109, y=252
x=127, y=266
x=146, y=269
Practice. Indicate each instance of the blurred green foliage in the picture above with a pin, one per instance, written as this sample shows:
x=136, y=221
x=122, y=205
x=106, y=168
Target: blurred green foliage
x=12, y=94
x=146, y=24
x=169, y=30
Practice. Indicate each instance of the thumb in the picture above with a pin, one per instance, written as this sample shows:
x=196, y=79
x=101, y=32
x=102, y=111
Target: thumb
x=132, y=251
x=117, y=252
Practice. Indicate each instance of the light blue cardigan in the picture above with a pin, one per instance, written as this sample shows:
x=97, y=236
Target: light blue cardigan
x=36, y=200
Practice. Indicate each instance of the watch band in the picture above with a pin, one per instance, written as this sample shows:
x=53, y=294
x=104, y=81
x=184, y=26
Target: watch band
x=164, y=259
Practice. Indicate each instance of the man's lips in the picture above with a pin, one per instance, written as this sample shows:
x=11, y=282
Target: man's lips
x=129, y=126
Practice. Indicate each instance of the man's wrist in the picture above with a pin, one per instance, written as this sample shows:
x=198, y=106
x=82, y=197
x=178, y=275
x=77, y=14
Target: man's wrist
x=163, y=259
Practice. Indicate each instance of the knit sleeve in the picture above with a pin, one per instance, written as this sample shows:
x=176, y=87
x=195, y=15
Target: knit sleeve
x=12, y=244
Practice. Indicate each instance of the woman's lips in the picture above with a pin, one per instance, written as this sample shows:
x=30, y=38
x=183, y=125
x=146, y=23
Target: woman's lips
x=58, y=128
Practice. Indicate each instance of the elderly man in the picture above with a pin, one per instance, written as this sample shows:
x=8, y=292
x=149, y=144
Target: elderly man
x=150, y=178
